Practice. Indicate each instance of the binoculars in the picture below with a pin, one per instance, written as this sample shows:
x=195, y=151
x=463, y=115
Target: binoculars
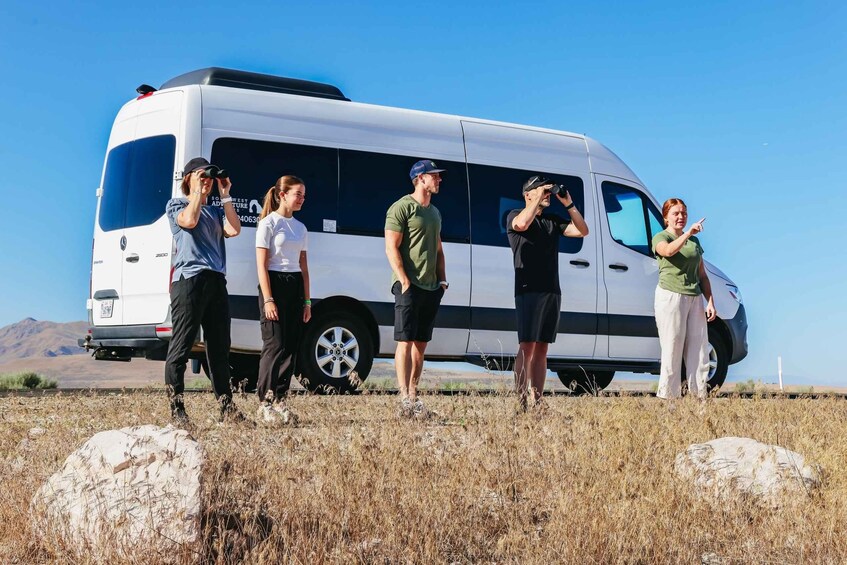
x=556, y=189
x=214, y=172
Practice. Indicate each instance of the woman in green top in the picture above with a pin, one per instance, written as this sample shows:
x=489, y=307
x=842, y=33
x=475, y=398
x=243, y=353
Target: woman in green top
x=683, y=282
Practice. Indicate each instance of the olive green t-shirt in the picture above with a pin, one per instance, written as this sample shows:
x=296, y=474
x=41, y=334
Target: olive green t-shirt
x=421, y=227
x=680, y=273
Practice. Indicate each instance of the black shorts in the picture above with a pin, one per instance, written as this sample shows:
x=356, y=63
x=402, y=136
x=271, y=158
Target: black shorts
x=538, y=316
x=414, y=312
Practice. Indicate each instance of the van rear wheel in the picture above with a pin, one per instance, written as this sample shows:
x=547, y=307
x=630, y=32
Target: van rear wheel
x=336, y=354
x=243, y=372
x=582, y=382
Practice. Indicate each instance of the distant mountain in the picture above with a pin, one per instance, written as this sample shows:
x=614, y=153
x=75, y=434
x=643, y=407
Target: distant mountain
x=31, y=338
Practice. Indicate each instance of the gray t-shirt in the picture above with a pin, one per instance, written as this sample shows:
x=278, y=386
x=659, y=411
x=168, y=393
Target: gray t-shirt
x=200, y=248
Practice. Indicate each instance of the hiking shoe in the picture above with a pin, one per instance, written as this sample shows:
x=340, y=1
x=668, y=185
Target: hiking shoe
x=179, y=417
x=419, y=411
x=230, y=412
x=406, y=408
x=284, y=413
x=266, y=414
x=541, y=407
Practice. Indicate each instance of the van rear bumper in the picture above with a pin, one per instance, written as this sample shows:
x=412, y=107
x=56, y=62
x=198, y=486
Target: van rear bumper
x=121, y=343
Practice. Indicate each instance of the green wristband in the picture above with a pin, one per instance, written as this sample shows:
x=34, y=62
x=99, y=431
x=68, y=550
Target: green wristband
x=307, y=302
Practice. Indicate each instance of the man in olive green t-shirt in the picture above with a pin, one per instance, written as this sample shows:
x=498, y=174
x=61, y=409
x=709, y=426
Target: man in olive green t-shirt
x=418, y=279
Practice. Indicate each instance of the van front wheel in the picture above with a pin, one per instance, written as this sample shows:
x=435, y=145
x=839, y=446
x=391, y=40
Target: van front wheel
x=718, y=362
x=582, y=382
x=336, y=354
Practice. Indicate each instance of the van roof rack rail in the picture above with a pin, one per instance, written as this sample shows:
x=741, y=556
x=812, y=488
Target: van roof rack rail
x=256, y=81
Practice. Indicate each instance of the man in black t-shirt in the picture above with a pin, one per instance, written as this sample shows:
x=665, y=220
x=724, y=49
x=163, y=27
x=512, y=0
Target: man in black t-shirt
x=534, y=239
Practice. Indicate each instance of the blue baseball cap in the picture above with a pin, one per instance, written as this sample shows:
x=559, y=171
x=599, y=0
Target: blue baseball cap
x=424, y=166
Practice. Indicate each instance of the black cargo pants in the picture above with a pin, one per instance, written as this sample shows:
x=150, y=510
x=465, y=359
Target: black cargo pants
x=201, y=300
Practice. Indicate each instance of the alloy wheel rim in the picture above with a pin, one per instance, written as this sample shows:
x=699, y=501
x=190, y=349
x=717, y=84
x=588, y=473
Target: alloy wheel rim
x=713, y=361
x=337, y=352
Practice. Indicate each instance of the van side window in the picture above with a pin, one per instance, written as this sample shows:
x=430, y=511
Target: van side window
x=371, y=182
x=496, y=191
x=633, y=218
x=256, y=165
x=137, y=183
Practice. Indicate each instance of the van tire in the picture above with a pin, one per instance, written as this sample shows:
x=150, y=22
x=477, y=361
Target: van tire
x=718, y=362
x=318, y=340
x=583, y=382
x=719, y=354
x=244, y=372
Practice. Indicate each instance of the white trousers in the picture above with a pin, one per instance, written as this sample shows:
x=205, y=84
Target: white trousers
x=681, y=320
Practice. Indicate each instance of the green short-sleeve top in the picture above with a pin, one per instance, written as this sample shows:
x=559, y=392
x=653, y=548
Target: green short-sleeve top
x=681, y=272
x=421, y=228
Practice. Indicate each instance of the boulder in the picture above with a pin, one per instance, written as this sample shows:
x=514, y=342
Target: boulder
x=126, y=491
x=729, y=466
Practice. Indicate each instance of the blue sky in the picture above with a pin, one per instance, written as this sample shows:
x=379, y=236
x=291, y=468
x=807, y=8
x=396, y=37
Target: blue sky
x=738, y=107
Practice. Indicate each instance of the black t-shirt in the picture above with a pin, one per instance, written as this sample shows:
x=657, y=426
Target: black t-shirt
x=536, y=253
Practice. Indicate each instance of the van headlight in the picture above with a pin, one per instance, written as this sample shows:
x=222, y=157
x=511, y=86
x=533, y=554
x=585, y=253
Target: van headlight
x=734, y=292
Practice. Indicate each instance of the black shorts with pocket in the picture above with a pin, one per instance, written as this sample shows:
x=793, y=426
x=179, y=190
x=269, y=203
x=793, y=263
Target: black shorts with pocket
x=414, y=312
x=538, y=316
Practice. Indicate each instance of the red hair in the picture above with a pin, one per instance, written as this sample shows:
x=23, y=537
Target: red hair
x=670, y=203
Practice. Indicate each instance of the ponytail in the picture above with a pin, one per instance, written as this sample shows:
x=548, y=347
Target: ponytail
x=283, y=184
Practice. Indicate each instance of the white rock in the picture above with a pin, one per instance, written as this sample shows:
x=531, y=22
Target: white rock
x=728, y=466
x=126, y=491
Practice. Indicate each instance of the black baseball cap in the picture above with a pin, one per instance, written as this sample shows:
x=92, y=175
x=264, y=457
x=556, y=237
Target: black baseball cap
x=194, y=164
x=535, y=181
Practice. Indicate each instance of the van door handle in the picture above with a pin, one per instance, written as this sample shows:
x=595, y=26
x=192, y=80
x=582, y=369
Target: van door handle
x=132, y=258
x=618, y=267
x=580, y=263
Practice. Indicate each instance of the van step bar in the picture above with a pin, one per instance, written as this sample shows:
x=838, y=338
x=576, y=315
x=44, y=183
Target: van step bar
x=217, y=76
x=506, y=363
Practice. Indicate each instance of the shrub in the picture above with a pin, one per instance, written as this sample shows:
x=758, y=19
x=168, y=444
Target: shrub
x=20, y=381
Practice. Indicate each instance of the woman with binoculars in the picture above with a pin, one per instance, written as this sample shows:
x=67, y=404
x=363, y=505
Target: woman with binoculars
x=198, y=284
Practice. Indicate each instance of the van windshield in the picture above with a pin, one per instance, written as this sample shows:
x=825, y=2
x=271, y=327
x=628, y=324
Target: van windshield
x=138, y=182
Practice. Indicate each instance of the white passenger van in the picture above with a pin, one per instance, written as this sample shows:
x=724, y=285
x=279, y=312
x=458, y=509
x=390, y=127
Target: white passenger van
x=355, y=159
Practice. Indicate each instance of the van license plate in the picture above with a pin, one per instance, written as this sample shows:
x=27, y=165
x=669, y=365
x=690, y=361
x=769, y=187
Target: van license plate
x=106, y=308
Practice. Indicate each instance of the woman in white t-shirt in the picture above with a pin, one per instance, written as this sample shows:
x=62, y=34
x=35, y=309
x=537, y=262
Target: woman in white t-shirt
x=284, y=304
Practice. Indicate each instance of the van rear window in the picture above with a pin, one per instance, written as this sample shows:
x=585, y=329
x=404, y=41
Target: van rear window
x=138, y=182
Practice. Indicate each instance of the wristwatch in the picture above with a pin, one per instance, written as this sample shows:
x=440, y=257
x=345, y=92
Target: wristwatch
x=445, y=284
x=225, y=200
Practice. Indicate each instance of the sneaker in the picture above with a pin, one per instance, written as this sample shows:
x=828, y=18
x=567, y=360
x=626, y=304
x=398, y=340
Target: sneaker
x=419, y=411
x=266, y=414
x=406, y=409
x=284, y=413
x=230, y=412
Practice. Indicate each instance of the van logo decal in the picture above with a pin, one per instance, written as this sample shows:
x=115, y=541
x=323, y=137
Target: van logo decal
x=123, y=242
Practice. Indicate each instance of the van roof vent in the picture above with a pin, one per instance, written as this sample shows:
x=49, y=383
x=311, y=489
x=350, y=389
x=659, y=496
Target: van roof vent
x=255, y=81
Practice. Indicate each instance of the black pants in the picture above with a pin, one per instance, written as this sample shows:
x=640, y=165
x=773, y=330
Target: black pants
x=203, y=301
x=280, y=338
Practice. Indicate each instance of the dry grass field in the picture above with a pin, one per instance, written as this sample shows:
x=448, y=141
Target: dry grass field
x=588, y=481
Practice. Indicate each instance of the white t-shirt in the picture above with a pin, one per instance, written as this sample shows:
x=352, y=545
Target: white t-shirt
x=284, y=238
